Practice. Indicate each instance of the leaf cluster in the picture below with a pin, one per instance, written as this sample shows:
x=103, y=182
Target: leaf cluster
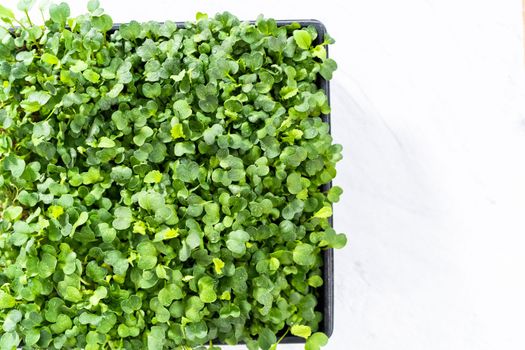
x=161, y=187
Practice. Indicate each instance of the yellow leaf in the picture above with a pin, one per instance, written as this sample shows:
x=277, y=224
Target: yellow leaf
x=301, y=331
x=168, y=233
x=153, y=176
x=219, y=265
x=324, y=212
x=139, y=227
x=177, y=132
x=55, y=211
x=225, y=296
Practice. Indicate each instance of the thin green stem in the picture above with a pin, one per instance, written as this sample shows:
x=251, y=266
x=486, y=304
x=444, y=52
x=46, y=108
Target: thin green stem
x=52, y=111
x=28, y=18
x=12, y=25
x=282, y=337
x=21, y=24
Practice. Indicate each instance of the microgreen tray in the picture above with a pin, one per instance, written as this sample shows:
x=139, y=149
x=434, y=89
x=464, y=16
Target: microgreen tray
x=76, y=220
x=326, y=298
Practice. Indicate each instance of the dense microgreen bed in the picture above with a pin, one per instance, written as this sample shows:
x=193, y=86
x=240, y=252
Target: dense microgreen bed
x=161, y=187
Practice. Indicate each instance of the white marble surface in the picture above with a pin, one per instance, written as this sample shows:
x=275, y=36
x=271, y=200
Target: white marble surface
x=429, y=105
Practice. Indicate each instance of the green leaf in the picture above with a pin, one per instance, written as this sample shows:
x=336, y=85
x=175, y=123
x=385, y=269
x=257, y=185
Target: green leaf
x=25, y=5
x=169, y=293
x=212, y=216
x=28, y=199
x=301, y=331
x=316, y=341
x=130, y=31
x=187, y=171
x=26, y=57
x=59, y=13
x=320, y=52
x=196, y=331
x=124, y=75
x=182, y=109
x=293, y=182
x=315, y=281
x=32, y=336
x=177, y=131
x=93, y=5
x=151, y=90
x=123, y=218
x=209, y=135
x=91, y=76
x=327, y=68
x=151, y=200
x=302, y=38
x=6, y=14
x=6, y=300
x=21, y=233
x=124, y=331
x=107, y=233
x=182, y=148
x=288, y=92
x=133, y=303
x=334, y=194
x=147, y=255
x=9, y=340
x=331, y=239
x=147, y=50
x=236, y=241
x=193, y=240
x=78, y=66
x=103, y=23
x=153, y=176
x=11, y=320
x=15, y=165
x=233, y=105
x=218, y=265
x=208, y=102
x=266, y=339
x=49, y=58
x=166, y=234
x=303, y=254
x=207, y=290
x=55, y=211
x=324, y=212
x=35, y=100
x=89, y=318
x=143, y=134
x=201, y=16
x=156, y=338
x=100, y=293
x=41, y=132
x=121, y=174
x=63, y=323
x=105, y=142
x=72, y=294
x=117, y=261
x=12, y=213
x=47, y=265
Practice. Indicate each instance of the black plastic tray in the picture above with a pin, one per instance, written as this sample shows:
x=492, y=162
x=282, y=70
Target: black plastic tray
x=326, y=298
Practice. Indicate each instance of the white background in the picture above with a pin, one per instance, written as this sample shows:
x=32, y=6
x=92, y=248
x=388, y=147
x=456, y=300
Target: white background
x=428, y=103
